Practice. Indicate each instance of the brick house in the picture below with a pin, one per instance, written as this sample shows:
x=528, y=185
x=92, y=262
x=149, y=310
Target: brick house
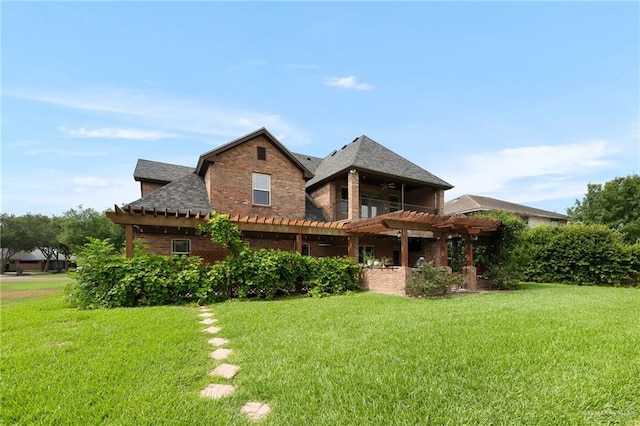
x=358, y=200
x=467, y=204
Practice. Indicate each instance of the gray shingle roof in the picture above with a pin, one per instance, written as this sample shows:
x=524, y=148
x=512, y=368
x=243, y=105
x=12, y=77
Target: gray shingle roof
x=308, y=161
x=186, y=193
x=366, y=154
x=313, y=212
x=472, y=203
x=156, y=171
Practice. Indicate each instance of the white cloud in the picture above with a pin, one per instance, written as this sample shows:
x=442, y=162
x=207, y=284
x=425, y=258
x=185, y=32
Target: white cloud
x=350, y=82
x=117, y=133
x=529, y=174
x=174, y=115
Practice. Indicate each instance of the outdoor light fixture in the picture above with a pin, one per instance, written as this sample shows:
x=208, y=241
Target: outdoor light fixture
x=399, y=233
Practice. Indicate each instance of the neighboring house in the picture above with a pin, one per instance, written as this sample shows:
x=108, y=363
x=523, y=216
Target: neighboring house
x=467, y=204
x=34, y=261
x=360, y=199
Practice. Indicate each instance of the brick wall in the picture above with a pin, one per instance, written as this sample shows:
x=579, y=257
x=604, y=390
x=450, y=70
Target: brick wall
x=322, y=197
x=385, y=280
x=229, y=182
x=422, y=197
x=161, y=243
x=148, y=187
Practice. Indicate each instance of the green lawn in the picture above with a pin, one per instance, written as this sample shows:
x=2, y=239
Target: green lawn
x=548, y=354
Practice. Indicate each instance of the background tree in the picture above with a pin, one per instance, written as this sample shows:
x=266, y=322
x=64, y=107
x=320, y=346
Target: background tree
x=14, y=237
x=43, y=231
x=615, y=204
x=78, y=225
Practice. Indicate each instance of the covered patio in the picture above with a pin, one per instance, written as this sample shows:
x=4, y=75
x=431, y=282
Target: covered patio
x=404, y=223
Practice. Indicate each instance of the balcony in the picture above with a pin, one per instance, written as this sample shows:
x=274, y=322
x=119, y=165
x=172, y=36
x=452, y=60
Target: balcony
x=372, y=207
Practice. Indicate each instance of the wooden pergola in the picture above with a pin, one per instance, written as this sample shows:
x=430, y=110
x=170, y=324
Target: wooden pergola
x=401, y=221
x=440, y=225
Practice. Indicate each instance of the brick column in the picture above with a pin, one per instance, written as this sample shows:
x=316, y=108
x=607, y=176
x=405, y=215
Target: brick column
x=442, y=250
x=299, y=243
x=439, y=207
x=353, y=186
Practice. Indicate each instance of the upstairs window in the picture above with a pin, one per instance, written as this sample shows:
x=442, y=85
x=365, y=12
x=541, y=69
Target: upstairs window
x=180, y=247
x=262, y=153
x=261, y=189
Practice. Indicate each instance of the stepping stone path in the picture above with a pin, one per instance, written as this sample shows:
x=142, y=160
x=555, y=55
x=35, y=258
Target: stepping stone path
x=225, y=370
x=253, y=410
x=217, y=391
x=221, y=353
x=217, y=341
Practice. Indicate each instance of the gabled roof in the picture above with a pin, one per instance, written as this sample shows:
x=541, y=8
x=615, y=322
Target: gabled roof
x=211, y=155
x=187, y=193
x=473, y=203
x=368, y=155
x=155, y=171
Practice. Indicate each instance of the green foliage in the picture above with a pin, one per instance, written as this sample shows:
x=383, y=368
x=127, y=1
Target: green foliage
x=78, y=225
x=105, y=278
x=579, y=254
x=500, y=259
x=431, y=281
x=224, y=232
x=615, y=204
x=16, y=236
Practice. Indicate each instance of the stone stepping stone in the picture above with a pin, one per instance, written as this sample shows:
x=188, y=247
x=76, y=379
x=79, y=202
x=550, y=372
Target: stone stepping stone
x=205, y=315
x=225, y=370
x=221, y=353
x=255, y=410
x=216, y=391
x=212, y=330
x=208, y=321
x=205, y=309
x=217, y=341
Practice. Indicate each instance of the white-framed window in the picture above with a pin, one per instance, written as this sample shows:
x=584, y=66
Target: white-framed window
x=180, y=246
x=261, y=189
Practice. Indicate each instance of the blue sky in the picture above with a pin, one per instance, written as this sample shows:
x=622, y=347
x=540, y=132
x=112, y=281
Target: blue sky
x=524, y=101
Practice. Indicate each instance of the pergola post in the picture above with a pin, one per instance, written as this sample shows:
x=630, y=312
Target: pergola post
x=299, y=243
x=353, y=242
x=128, y=235
x=469, y=246
x=442, y=250
x=404, y=248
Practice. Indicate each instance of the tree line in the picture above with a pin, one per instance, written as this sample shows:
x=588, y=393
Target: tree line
x=55, y=235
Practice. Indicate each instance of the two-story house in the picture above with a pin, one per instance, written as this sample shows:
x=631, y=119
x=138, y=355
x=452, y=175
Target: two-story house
x=362, y=199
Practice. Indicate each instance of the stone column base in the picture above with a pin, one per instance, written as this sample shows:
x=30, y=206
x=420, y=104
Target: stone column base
x=470, y=277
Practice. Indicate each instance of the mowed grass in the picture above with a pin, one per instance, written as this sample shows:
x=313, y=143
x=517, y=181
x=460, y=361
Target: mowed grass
x=547, y=354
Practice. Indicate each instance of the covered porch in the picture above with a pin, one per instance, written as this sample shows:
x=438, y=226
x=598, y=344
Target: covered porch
x=438, y=229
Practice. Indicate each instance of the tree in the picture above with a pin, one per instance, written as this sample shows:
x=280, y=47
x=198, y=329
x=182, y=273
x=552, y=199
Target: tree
x=43, y=231
x=78, y=225
x=15, y=237
x=615, y=204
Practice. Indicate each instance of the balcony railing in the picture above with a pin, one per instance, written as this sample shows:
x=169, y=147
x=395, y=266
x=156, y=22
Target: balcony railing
x=372, y=207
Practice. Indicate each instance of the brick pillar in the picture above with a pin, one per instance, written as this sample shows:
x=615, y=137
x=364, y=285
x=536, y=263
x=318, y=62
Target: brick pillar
x=353, y=186
x=439, y=207
x=469, y=250
x=442, y=251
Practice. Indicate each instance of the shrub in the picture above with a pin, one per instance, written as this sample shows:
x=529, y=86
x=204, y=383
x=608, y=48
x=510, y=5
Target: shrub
x=331, y=275
x=431, y=281
x=580, y=254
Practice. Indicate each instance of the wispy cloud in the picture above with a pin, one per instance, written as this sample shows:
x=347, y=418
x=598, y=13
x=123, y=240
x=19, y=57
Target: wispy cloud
x=528, y=174
x=116, y=133
x=88, y=183
x=174, y=115
x=350, y=82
